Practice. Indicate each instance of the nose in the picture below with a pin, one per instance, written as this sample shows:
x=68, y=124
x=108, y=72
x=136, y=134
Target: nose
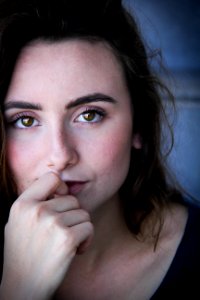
x=62, y=151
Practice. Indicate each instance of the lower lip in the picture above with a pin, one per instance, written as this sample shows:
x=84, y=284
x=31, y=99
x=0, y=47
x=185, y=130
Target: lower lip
x=75, y=187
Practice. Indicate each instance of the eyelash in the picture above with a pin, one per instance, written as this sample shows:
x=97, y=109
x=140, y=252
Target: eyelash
x=90, y=110
x=13, y=120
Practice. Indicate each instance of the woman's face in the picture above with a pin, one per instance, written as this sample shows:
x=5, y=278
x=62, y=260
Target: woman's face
x=68, y=110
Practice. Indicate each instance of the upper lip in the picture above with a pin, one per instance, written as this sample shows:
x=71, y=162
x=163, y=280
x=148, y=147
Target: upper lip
x=70, y=180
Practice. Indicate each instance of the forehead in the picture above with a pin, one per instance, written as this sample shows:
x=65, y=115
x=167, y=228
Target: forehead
x=75, y=64
x=77, y=51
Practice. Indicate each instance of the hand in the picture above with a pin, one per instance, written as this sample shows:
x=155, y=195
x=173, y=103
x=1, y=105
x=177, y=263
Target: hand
x=41, y=239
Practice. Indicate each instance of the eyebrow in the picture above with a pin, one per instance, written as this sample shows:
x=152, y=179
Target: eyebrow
x=97, y=97
x=21, y=104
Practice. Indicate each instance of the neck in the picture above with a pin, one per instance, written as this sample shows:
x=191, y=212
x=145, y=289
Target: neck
x=110, y=231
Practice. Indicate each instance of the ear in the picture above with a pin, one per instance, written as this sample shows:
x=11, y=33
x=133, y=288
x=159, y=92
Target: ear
x=137, y=141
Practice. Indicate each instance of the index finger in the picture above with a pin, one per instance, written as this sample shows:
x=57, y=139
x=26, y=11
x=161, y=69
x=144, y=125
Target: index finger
x=47, y=185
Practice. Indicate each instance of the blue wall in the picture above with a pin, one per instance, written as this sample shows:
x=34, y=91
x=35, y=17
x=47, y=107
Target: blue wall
x=174, y=27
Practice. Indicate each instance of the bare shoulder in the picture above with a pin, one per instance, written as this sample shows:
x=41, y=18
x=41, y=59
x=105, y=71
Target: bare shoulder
x=154, y=263
x=175, y=220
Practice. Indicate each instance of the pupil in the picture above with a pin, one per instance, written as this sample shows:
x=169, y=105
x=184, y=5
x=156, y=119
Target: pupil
x=27, y=121
x=89, y=116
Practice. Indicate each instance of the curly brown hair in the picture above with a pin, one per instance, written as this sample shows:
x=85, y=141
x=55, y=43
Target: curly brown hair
x=146, y=188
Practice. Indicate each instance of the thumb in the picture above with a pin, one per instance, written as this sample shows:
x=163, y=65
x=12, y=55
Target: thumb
x=61, y=190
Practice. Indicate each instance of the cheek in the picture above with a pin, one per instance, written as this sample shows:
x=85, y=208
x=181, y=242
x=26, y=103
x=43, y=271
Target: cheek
x=112, y=155
x=21, y=163
x=118, y=155
x=14, y=155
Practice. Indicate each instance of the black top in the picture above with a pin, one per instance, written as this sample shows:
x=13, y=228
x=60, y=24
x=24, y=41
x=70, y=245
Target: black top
x=182, y=280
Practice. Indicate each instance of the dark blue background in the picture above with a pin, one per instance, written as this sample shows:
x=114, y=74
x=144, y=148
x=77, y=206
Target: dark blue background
x=174, y=27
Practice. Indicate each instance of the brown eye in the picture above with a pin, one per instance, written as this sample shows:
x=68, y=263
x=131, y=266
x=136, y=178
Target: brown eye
x=24, y=122
x=90, y=116
x=27, y=121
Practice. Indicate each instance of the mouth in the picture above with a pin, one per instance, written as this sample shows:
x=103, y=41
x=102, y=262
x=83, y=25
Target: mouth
x=75, y=187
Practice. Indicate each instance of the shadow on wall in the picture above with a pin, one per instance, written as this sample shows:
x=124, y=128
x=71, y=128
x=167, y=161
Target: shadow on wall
x=174, y=27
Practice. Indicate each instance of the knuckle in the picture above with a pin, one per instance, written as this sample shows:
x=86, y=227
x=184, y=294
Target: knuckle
x=41, y=210
x=90, y=228
x=85, y=215
x=69, y=240
x=56, y=221
x=17, y=207
x=75, y=201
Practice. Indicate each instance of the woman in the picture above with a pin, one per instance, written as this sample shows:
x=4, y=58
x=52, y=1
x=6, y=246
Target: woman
x=81, y=161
